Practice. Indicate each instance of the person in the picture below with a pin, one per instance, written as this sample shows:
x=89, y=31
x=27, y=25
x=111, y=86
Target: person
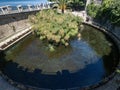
x=87, y=19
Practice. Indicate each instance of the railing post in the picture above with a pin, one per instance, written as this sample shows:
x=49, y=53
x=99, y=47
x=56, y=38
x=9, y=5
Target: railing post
x=41, y=5
x=48, y=5
x=36, y=7
x=2, y=11
x=5, y=9
x=9, y=8
x=30, y=7
x=20, y=8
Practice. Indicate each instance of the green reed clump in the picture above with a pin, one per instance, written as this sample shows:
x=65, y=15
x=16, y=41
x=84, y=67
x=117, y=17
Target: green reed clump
x=55, y=28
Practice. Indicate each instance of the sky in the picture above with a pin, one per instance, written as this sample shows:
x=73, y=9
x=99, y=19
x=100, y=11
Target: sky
x=22, y=2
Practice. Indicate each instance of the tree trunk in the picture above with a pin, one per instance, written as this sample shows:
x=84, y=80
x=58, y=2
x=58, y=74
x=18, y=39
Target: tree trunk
x=62, y=10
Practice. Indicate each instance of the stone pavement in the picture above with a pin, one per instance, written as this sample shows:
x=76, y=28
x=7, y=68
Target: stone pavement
x=81, y=14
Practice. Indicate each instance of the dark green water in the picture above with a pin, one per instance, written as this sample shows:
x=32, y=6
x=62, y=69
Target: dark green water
x=85, y=62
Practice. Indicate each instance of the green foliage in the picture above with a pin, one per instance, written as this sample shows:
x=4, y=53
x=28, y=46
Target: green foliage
x=76, y=4
x=105, y=10
x=118, y=71
x=115, y=12
x=62, y=4
x=93, y=10
x=109, y=10
x=55, y=28
x=71, y=4
x=51, y=48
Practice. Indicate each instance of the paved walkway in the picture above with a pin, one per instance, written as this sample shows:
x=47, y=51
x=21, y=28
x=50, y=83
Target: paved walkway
x=83, y=15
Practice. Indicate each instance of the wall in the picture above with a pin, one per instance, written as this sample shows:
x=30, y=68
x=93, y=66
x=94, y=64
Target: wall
x=13, y=23
x=106, y=24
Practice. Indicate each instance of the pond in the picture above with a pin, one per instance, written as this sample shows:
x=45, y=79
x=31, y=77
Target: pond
x=84, y=63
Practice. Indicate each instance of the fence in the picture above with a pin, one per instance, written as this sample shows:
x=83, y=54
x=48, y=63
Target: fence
x=19, y=8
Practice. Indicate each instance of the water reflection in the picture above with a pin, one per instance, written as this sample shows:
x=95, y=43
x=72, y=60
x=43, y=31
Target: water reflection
x=73, y=58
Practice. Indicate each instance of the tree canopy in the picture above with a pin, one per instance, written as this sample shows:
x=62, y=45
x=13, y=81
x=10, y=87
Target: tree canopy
x=77, y=5
x=72, y=4
x=109, y=10
x=62, y=4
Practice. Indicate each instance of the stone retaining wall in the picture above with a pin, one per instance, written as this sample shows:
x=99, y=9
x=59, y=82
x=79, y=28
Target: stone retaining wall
x=113, y=28
x=13, y=23
x=114, y=83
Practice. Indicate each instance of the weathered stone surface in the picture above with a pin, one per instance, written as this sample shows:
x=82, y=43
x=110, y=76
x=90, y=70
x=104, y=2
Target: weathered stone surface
x=11, y=24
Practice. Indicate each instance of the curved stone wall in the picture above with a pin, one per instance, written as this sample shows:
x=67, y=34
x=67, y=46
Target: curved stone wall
x=114, y=78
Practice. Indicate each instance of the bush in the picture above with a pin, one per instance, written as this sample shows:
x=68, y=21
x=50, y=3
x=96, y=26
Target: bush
x=93, y=10
x=109, y=10
x=55, y=28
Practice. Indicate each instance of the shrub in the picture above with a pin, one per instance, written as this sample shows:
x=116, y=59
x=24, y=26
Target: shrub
x=55, y=28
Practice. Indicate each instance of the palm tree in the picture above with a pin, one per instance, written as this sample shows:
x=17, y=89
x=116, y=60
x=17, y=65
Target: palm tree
x=62, y=4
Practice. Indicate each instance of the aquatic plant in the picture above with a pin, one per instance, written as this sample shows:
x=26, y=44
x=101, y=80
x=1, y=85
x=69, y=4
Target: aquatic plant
x=55, y=28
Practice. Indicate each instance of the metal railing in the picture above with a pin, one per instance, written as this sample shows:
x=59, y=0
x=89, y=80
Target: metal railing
x=19, y=8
